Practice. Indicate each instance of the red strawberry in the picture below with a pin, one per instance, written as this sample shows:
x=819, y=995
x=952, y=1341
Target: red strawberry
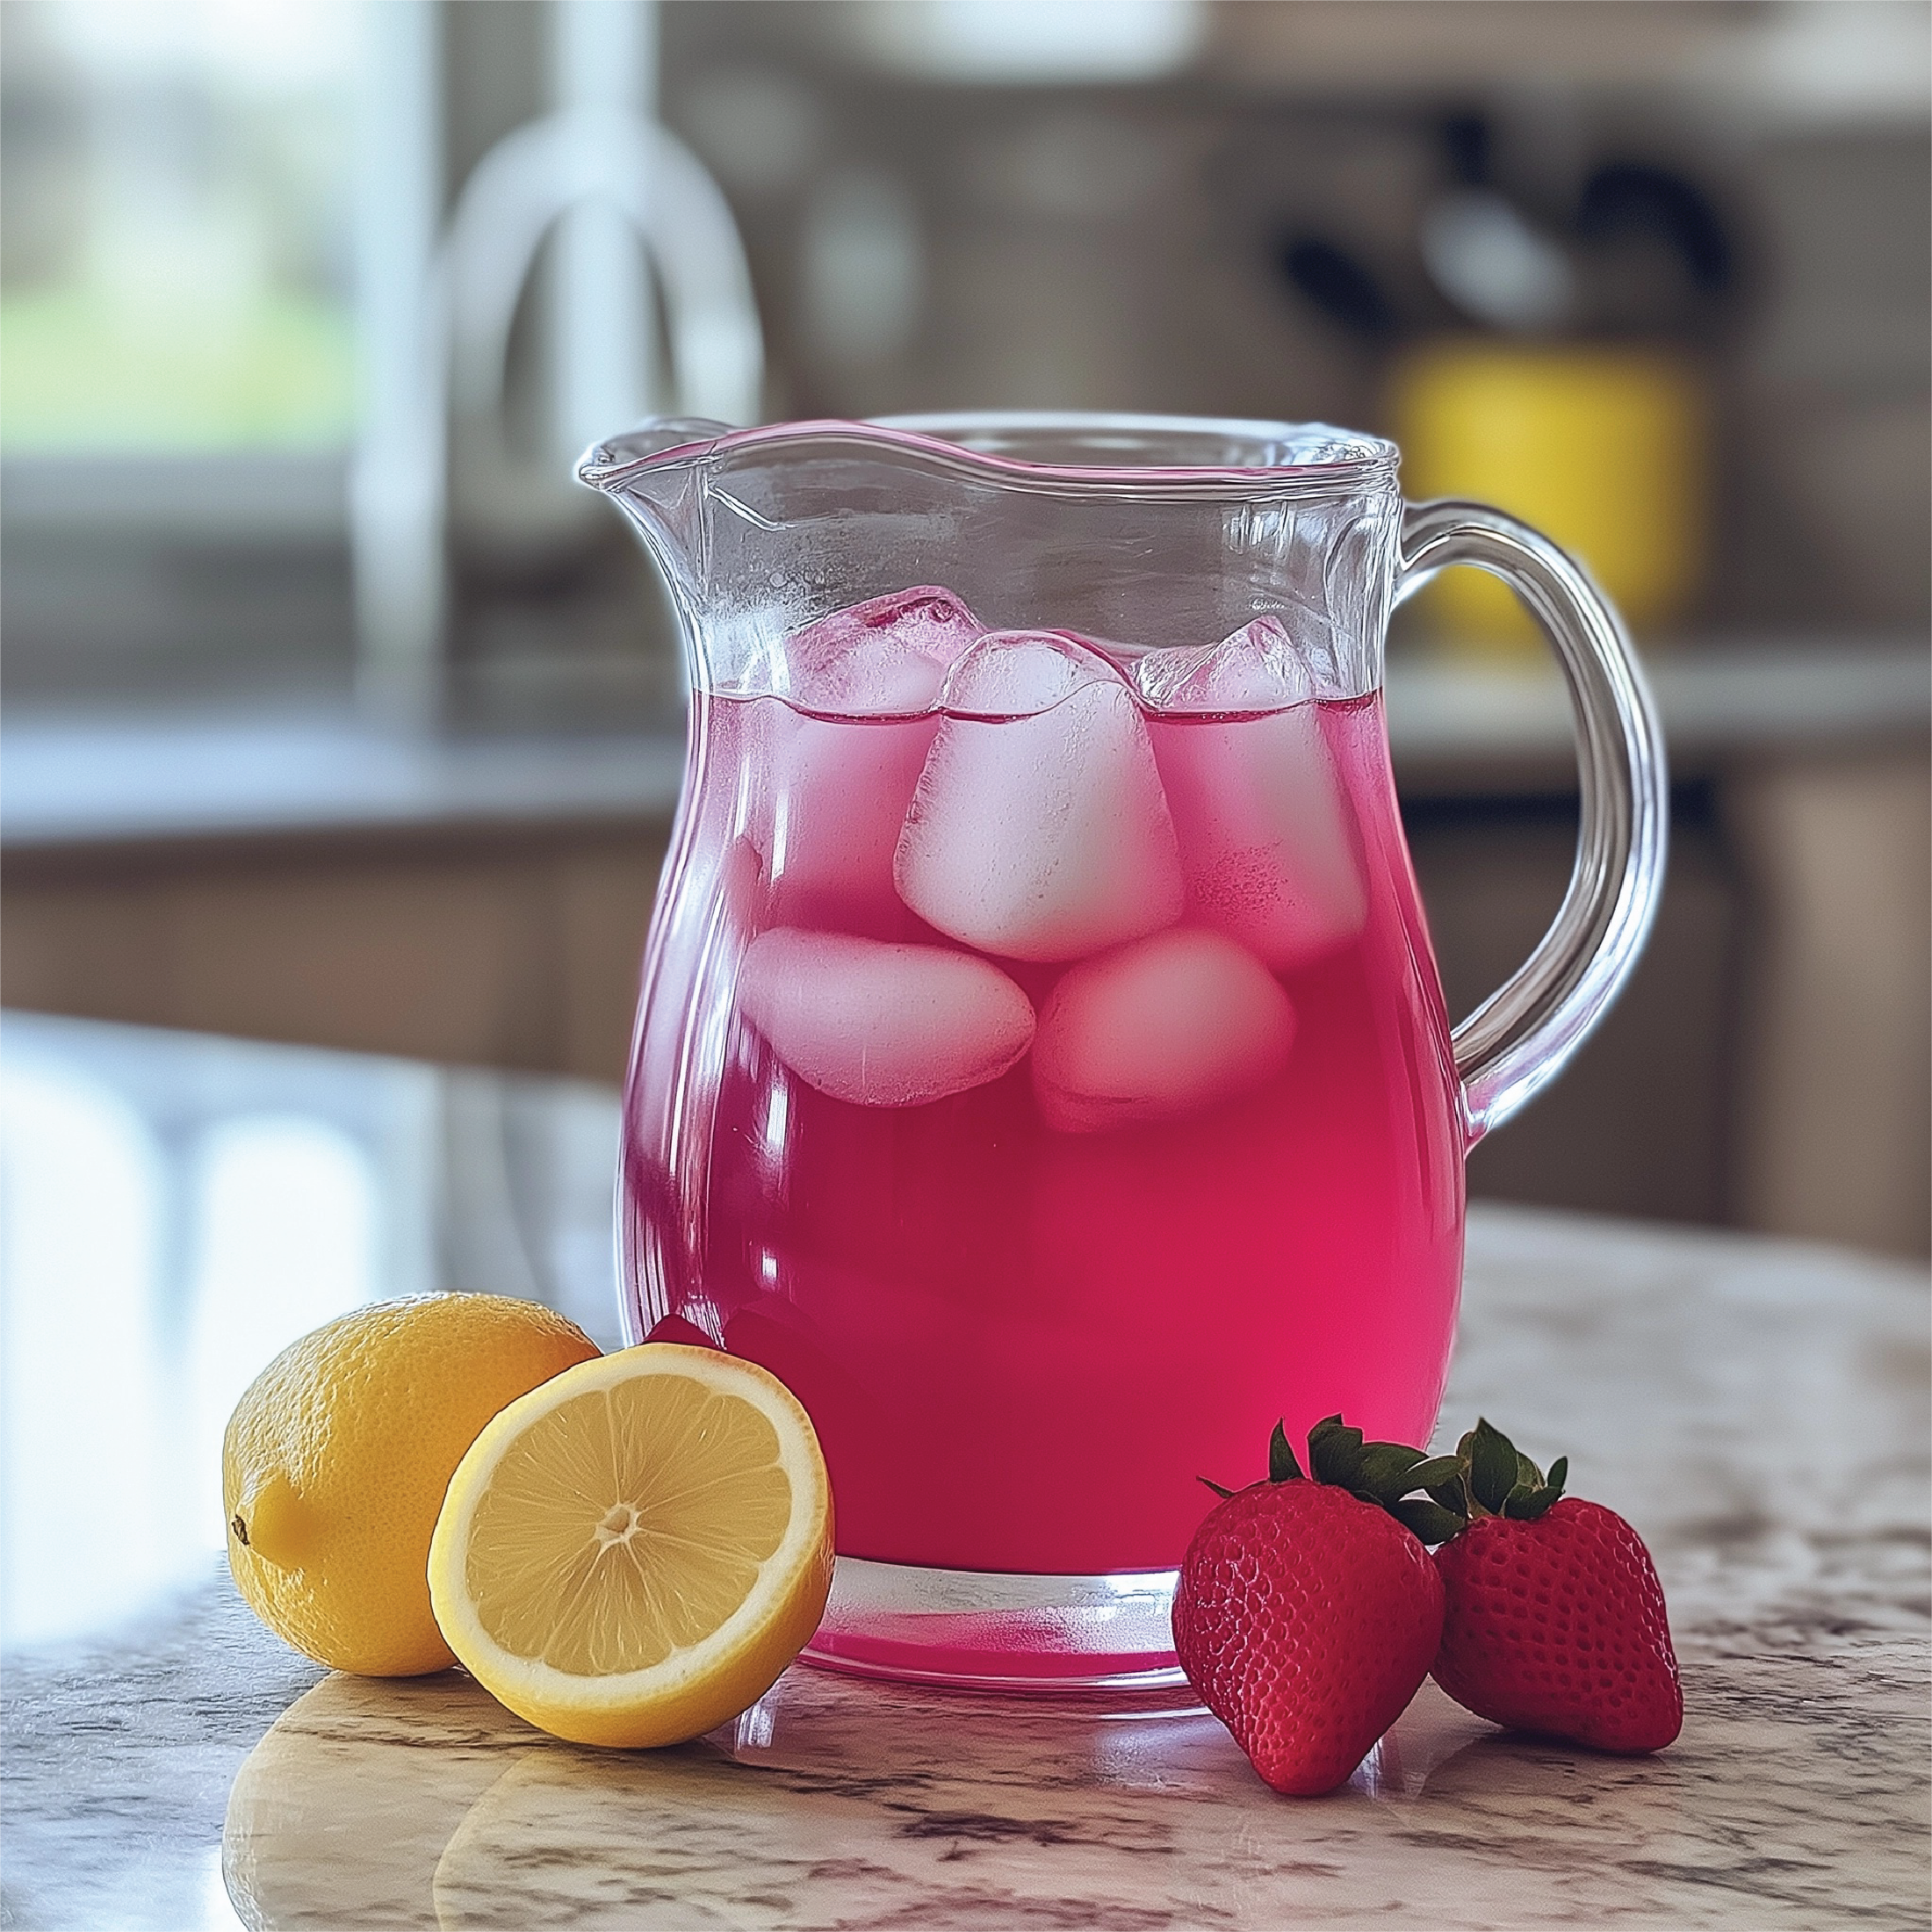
x=1554, y=1620
x=1305, y=1614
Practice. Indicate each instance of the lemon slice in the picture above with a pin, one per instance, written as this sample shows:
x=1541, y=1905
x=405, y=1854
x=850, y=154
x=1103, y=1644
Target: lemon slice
x=632, y=1553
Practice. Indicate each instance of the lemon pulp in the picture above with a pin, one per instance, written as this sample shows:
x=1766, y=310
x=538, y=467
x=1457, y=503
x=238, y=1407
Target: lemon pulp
x=626, y=1524
x=632, y=1554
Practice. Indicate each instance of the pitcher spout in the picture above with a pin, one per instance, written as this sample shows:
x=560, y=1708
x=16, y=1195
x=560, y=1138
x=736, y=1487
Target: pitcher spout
x=612, y=466
x=649, y=467
x=653, y=473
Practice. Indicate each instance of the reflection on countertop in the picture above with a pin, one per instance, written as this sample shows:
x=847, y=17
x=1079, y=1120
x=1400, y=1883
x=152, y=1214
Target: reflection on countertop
x=183, y=1206
x=876, y=1805
x=180, y=1205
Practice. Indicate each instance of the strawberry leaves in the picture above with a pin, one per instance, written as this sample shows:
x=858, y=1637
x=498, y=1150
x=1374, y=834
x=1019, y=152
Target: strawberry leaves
x=1426, y=1519
x=1498, y=1480
x=1383, y=1474
x=1488, y=1475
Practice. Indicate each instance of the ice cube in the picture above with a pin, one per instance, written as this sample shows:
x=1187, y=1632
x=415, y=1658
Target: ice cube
x=838, y=761
x=1156, y=1030
x=887, y=656
x=1038, y=830
x=836, y=794
x=882, y=1024
x=1258, y=809
x=1257, y=669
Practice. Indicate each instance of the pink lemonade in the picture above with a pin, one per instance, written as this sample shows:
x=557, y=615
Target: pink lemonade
x=1049, y=1082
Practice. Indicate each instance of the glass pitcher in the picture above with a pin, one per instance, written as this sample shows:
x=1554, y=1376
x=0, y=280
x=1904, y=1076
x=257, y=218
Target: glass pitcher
x=1041, y=1063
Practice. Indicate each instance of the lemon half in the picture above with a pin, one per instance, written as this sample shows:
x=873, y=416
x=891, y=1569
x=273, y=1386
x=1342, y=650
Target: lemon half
x=632, y=1554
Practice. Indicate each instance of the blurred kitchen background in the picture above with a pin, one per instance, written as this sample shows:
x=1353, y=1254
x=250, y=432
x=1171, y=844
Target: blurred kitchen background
x=335, y=713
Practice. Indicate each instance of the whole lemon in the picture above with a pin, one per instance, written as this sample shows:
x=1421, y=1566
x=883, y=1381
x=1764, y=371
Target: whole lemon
x=336, y=1457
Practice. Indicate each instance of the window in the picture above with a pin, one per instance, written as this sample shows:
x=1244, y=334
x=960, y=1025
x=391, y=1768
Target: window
x=174, y=272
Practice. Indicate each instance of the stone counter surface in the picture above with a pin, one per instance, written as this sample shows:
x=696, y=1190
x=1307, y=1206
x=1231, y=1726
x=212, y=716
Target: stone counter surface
x=1759, y=1409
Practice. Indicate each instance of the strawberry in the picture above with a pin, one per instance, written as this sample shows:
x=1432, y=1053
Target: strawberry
x=1307, y=1615
x=1554, y=1621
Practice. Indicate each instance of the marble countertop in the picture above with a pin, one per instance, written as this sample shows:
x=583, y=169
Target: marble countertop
x=1758, y=1409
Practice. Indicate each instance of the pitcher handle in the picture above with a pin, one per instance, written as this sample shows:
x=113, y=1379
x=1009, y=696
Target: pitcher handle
x=1523, y=1034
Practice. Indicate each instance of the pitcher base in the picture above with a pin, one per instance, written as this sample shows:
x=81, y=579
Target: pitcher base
x=991, y=1630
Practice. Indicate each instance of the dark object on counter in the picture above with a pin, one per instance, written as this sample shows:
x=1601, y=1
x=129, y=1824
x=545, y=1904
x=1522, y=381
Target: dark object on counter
x=1340, y=286
x=1656, y=255
x=1643, y=251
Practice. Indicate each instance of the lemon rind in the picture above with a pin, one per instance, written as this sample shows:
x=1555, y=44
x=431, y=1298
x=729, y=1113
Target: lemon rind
x=520, y=1682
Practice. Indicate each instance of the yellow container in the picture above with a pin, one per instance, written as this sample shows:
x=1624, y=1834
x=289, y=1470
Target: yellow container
x=1602, y=447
